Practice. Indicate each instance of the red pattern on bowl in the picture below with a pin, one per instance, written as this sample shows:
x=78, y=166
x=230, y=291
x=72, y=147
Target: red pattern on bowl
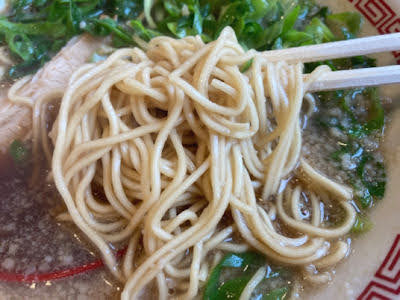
x=381, y=15
x=386, y=282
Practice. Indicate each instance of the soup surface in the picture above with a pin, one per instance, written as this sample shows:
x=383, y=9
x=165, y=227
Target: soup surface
x=34, y=244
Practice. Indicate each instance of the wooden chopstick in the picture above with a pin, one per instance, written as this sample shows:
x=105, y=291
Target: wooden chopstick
x=333, y=50
x=326, y=51
x=349, y=48
x=356, y=78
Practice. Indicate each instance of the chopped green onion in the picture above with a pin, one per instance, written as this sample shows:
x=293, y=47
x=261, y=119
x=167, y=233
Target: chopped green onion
x=276, y=294
x=362, y=224
x=243, y=266
x=18, y=152
x=246, y=65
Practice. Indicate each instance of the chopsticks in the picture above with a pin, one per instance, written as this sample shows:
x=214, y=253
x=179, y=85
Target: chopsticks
x=333, y=50
x=356, y=78
x=348, y=78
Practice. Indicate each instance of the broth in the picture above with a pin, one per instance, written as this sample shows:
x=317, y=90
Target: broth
x=33, y=242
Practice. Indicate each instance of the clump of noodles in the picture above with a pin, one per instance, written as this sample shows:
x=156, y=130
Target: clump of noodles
x=191, y=154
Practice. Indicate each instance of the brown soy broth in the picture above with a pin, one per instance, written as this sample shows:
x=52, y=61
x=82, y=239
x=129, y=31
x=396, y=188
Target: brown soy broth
x=33, y=242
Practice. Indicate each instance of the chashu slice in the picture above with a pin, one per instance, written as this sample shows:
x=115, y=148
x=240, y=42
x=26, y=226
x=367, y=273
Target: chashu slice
x=16, y=120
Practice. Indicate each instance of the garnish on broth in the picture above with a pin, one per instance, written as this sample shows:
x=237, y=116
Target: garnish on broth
x=36, y=30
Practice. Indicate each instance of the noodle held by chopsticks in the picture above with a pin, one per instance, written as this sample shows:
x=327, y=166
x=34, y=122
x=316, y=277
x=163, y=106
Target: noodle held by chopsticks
x=190, y=154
